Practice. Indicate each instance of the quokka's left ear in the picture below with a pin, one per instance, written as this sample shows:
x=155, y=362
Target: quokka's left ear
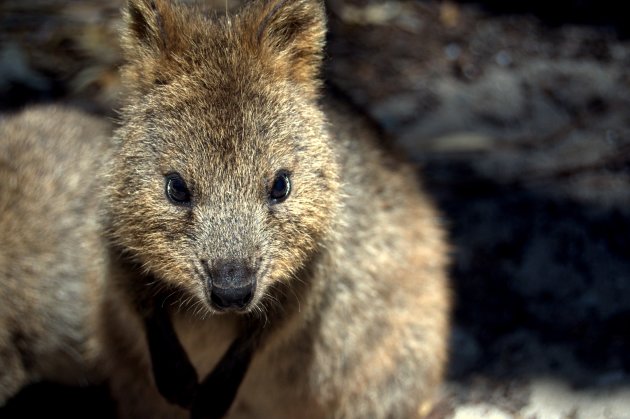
x=151, y=33
x=149, y=28
x=291, y=33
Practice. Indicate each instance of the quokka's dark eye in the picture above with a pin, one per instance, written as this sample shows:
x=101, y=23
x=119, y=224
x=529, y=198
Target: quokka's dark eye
x=176, y=189
x=280, y=188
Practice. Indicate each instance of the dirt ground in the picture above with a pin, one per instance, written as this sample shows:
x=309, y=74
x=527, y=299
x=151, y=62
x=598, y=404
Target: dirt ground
x=519, y=124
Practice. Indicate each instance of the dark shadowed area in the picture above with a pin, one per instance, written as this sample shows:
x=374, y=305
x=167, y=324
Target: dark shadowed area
x=517, y=115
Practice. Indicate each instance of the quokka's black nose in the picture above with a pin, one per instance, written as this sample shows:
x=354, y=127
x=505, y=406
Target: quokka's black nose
x=232, y=285
x=226, y=298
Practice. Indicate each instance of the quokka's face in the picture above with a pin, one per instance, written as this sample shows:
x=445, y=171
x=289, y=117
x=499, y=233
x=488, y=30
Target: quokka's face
x=224, y=191
x=225, y=182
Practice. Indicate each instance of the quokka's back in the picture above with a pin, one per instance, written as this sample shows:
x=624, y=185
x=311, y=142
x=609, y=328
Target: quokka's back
x=51, y=253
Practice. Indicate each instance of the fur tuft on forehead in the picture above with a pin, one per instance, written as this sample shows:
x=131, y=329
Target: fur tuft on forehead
x=284, y=37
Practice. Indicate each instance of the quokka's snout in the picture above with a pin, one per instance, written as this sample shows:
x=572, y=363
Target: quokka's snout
x=229, y=284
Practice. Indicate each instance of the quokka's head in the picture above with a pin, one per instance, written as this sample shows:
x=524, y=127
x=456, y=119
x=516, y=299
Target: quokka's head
x=225, y=182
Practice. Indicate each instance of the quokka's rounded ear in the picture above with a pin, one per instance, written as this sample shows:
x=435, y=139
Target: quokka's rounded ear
x=293, y=33
x=149, y=28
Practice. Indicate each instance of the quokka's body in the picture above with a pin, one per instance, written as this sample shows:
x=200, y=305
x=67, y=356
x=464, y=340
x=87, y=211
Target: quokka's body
x=236, y=198
x=51, y=251
x=248, y=199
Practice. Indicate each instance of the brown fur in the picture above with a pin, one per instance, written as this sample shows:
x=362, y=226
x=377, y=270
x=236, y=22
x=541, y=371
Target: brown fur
x=51, y=255
x=351, y=294
x=351, y=287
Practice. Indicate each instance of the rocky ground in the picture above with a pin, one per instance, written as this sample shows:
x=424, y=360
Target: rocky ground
x=520, y=125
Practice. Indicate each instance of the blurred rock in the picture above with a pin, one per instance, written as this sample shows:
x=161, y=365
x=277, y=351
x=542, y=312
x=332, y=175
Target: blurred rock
x=552, y=399
x=481, y=411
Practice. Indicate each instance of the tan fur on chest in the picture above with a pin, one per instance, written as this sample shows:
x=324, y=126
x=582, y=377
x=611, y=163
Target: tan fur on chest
x=205, y=341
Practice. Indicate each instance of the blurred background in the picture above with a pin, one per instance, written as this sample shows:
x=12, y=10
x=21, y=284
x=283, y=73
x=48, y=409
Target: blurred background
x=516, y=113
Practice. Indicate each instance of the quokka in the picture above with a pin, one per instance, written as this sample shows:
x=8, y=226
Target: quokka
x=246, y=214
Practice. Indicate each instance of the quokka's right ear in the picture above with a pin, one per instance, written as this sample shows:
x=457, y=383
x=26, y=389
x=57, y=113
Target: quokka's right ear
x=149, y=29
x=289, y=34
